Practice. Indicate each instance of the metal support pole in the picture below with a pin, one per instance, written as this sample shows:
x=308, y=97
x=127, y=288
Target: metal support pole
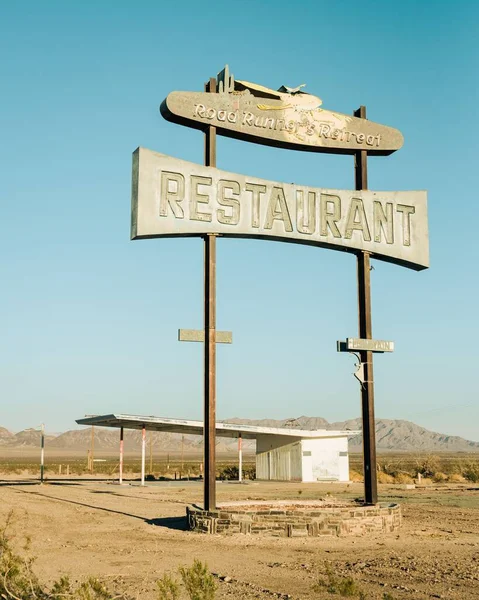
x=151, y=453
x=182, y=455
x=42, y=453
x=240, y=458
x=143, y=454
x=92, y=448
x=121, y=456
x=365, y=332
x=210, y=338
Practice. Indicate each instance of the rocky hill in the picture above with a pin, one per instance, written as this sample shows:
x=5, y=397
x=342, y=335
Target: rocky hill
x=391, y=435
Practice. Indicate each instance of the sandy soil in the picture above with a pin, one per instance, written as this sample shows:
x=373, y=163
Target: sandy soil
x=130, y=535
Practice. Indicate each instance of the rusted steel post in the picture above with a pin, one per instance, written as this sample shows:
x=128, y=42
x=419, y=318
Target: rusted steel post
x=121, y=456
x=365, y=332
x=209, y=435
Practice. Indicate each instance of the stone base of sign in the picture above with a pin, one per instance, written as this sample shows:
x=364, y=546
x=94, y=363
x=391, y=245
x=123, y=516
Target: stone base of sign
x=296, y=519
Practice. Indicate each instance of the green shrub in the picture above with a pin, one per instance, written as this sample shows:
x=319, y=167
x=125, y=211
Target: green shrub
x=249, y=472
x=229, y=472
x=198, y=581
x=471, y=472
x=345, y=586
x=168, y=588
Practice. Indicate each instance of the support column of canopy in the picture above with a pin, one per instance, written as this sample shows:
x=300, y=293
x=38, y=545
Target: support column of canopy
x=121, y=456
x=143, y=454
x=240, y=458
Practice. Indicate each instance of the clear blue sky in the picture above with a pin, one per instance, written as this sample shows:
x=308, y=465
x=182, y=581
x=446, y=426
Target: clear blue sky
x=89, y=318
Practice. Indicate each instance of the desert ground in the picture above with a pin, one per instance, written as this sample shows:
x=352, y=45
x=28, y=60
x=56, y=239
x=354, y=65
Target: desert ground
x=130, y=536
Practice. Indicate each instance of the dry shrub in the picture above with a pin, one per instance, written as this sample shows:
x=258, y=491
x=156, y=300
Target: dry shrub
x=440, y=477
x=471, y=471
x=19, y=582
x=455, y=478
x=403, y=478
x=342, y=586
x=391, y=466
x=426, y=481
x=385, y=478
x=355, y=476
x=428, y=465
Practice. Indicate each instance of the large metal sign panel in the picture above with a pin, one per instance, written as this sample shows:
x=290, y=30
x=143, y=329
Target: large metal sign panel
x=287, y=118
x=172, y=197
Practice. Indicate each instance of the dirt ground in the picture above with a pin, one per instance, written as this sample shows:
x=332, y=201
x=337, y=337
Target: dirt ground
x=130, y=535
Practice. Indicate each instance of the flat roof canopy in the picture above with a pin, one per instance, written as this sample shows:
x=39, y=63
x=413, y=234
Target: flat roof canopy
x=230, y=430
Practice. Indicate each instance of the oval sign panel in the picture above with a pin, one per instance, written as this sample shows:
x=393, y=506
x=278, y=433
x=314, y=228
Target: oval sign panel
x=287, y=118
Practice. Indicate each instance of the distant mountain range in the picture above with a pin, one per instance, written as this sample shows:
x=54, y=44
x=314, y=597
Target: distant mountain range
x=391, y=435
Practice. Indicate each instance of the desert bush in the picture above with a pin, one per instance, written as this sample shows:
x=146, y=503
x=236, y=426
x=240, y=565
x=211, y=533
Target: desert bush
x=428, y=465
x=17, y=579
x=440, y=477
x=470, y=471
x=198, y=581
x=229, y=472
x=403, y=478
x=455, y=478
x=385, y=477
x=389, y=467
x=19, y=582
x=249, y=472
x=355, y=475
x=426, y=481
x=343, y=586
x=168, y=588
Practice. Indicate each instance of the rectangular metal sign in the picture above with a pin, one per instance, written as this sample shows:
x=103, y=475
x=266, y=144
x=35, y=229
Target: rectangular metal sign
x=198, y=335
x=172, y=197
x=372, y=345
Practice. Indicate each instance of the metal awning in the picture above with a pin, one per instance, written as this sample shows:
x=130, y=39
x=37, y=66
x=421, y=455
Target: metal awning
x=230, y=430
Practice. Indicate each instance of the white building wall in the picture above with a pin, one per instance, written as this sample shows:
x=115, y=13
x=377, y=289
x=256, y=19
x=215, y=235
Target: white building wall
x=278, y=458
x=325, y=459
x=283, y=458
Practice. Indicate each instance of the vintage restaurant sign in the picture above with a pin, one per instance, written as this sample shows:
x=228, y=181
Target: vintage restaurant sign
x=172, y=197
x=287, y=118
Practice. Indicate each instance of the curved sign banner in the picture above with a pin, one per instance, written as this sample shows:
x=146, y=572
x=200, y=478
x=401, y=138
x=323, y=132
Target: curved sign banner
x=172, y=197
x=286, y=118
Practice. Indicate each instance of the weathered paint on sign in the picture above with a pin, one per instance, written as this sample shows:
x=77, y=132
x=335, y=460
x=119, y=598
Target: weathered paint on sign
x=371, y=345
x=279, y=118
x=172, y=197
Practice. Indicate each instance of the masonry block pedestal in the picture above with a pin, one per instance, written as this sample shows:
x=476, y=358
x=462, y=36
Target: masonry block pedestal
x=298, y=519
